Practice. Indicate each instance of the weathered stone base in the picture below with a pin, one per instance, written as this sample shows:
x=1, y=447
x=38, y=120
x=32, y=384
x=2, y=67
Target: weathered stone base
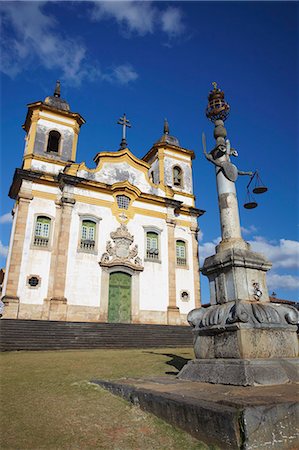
x=173, y=315
x=11, y=310
x=242, y=372
x=59, y=309
x=229, y=417
x=240, y=341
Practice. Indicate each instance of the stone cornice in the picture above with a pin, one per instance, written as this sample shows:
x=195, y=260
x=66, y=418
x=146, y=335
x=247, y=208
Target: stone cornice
x=40, y=106
x=63, y=179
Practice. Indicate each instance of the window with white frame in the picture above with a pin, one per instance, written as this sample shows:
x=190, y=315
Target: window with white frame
x=42, y=231
x=181, y=259
x=152, y=245
x=123, y=201
x=88, y=235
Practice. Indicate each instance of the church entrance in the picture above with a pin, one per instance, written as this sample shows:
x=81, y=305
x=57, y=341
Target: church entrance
x=119, y=304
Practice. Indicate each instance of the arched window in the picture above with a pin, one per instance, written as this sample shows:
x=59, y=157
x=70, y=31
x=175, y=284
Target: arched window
x=181, y=253
x=152, y=245
x=42, y=231
x=53, y=141
x=123, y=201
x=88, y=235
x=177, y=176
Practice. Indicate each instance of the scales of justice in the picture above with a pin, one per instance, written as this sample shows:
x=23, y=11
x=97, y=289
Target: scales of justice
x=241, y=338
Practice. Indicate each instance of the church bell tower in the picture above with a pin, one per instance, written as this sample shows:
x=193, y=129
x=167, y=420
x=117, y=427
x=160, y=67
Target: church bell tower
x=51, y=133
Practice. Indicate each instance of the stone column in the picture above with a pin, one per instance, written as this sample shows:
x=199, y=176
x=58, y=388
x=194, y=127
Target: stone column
x=227, y=198
x=173, y=312
x=11, y=299
x=196, y=272
x=241, y=338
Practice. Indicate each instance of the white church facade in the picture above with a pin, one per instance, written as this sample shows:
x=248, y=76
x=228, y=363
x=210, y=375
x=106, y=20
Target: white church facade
x=117, y=243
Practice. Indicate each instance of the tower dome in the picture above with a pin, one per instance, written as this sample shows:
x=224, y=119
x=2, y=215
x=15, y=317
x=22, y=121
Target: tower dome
x=166, y=136
x=55, y=101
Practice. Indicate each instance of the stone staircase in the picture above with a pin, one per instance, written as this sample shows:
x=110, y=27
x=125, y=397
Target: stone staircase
x=56, y=335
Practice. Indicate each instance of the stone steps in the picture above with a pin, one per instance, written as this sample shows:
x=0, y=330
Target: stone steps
x=50, y=335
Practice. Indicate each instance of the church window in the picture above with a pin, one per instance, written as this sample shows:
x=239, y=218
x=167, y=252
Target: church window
x=33, y=281
x=181, y=253
x=42, y=231
x=53, y=141
x=88, y=234
x=177, y=176
x=152, y=245
x=123, y=201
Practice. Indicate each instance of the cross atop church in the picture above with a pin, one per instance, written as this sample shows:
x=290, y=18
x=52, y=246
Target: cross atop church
x=125, y=123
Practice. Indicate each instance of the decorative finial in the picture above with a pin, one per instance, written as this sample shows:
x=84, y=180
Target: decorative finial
x=125, y=123
x=57, y=89
x=166, y=127
x=218, y=108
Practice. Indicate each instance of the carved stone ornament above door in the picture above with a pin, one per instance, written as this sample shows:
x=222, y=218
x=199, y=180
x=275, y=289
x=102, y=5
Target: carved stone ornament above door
x=121, y=250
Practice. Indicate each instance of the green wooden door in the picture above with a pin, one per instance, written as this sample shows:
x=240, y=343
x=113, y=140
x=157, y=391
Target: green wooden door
x=119, y=307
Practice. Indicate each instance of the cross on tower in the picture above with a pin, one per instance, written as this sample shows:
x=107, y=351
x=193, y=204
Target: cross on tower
x=125, y=123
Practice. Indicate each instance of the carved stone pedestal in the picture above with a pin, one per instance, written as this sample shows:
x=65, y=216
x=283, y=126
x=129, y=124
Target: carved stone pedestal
x=244, y=343
x=242, y=372
x=236, y=273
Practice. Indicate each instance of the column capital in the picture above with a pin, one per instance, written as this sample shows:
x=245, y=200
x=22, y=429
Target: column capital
x=171, y=222
x=69, y=201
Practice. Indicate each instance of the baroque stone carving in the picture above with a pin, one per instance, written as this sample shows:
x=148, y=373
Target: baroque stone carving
x=120, y=250
x=256, y=314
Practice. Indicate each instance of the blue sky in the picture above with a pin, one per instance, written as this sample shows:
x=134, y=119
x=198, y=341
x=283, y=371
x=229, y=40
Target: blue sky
x=158, y=59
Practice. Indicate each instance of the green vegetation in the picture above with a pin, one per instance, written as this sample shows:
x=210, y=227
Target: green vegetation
x=48, y=402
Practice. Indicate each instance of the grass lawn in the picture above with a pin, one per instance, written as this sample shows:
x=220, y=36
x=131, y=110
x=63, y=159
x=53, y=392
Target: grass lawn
x=47, y=401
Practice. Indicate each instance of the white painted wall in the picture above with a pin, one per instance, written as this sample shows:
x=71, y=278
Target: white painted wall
x=121, y=171
x=43, y=166
x=83, y=278
x=154, y=278
x=185, y=277
x=169, y=163
x=35, y=261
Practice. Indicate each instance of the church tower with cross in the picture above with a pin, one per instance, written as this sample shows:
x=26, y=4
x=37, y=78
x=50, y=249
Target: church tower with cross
x=117, y=243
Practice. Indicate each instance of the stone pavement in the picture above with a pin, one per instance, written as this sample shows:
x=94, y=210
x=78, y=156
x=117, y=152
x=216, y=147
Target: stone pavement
x=230, y=417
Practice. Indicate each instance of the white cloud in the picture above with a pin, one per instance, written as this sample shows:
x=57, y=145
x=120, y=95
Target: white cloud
x=207, y=249
x=250, y=230
x=6, y=218
x=276, y=281
x=284, y=253
x=139, y=17
x=3, y=249
x=122, y=74
x=132, y=16
x=172, y=23
x=31, y=38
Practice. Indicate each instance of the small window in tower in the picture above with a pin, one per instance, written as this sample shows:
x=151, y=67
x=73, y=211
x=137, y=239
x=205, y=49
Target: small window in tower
x=152, y=245
x=177, y=176
x=88, y=235
x=123, y=201
x=53, y=141
x=181, y=253
x=42, y=231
